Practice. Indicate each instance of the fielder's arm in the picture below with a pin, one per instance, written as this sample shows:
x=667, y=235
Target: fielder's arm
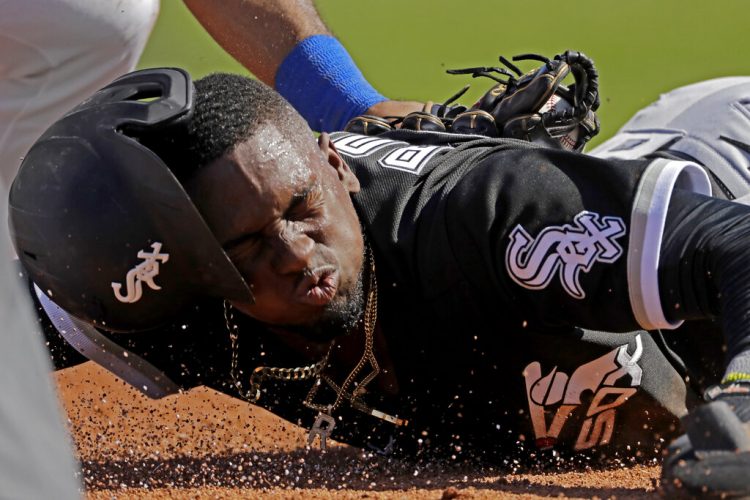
x=262, y=34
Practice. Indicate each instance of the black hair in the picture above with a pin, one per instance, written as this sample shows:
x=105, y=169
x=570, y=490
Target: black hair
x=227, y=110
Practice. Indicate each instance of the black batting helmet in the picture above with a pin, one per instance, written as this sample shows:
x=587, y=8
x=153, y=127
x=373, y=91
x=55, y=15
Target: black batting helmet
x=101, y=223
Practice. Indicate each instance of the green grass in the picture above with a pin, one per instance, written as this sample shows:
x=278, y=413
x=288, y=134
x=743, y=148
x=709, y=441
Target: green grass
x=642, y=48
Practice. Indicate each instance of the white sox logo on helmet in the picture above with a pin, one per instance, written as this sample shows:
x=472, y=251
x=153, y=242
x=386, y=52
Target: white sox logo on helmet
x=565, y=250
x=145, y=272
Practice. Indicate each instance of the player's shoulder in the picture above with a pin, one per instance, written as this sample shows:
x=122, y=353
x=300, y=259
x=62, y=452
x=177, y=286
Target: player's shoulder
x=423, y=138
x=415, y=152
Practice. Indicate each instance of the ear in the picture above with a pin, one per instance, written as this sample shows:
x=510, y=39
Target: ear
x=346, y=176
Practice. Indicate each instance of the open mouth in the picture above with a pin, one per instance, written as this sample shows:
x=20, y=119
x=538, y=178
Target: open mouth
x=319, y=286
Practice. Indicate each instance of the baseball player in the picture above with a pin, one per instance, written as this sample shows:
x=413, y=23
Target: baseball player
x=414, y=292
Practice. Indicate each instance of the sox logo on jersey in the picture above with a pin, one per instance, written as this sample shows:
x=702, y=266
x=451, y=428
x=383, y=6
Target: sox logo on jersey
x=565, y=250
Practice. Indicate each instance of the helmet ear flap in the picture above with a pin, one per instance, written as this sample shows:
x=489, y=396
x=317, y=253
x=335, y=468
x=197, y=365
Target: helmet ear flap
x=102, y=224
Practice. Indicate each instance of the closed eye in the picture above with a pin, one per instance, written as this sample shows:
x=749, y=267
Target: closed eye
x=242, y=246
x=305, y=205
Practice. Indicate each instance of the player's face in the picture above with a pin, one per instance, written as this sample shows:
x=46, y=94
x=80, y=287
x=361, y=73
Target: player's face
x=281, y=209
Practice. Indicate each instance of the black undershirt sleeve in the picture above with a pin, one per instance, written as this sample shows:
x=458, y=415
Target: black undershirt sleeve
x=704, y=270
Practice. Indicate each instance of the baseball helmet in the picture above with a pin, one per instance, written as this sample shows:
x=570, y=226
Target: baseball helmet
x=100, y=222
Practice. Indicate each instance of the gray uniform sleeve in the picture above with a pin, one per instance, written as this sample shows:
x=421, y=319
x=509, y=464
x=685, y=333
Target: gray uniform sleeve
x=36, y=458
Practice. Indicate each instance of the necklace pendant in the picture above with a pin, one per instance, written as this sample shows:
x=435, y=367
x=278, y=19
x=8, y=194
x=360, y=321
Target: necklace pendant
x=322, y=428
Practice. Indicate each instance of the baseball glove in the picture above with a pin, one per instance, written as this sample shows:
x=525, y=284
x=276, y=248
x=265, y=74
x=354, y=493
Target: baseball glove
x=534, y=106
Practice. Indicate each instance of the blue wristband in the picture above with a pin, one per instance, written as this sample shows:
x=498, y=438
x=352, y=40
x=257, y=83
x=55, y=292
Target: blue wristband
x=321, y=81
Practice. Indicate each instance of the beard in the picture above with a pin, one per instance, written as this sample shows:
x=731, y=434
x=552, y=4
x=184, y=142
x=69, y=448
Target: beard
x=340, y=317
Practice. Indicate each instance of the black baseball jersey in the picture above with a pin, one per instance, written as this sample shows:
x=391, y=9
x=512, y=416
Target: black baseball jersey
x=500, y=266
x=491, y=256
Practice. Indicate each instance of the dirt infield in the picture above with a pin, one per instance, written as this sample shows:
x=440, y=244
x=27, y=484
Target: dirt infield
x=203, y=444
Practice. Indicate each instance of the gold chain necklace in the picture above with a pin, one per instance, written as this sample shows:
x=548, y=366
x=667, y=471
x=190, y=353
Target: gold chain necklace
x=261, y=373
x=324, y=423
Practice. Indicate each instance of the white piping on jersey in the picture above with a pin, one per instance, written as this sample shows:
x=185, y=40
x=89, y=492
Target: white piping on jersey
x=647, y=222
